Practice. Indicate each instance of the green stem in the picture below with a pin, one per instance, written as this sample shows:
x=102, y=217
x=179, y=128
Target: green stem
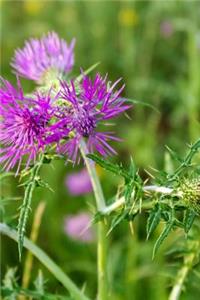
x=183, y=272
x=93, y=176
x=46, y=261
x=102, y=262
x=102, y=240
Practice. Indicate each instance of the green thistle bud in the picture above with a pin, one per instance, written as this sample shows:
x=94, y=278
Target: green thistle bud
x=190, y=193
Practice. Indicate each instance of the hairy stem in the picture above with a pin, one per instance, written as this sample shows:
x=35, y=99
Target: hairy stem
x=24, y=209
x=47, y=262
x=102, y=240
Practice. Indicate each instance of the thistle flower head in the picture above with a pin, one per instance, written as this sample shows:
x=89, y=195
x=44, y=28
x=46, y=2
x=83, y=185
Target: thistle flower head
x=44, y=59
x=23, y=124
x=87, y=106
x=190, y=190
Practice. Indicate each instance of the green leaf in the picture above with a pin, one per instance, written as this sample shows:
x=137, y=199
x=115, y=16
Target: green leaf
x=41, y=183
x=39, y=282
x=132, y=169
x=128, y=191
x=47, y=262
x=116, y=220
x=16, y=292
x=142, y=103
x=90, y=69
x=105, y=164
x=174, y=155
x=186, y=162
x=189, y=217
x=167, y=229
x=153, y=220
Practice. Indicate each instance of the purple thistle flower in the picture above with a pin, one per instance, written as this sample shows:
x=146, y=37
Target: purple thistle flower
x=77, y=227
x=78, y=183
x=23, y=125
x=88, y=105
x=39, y=57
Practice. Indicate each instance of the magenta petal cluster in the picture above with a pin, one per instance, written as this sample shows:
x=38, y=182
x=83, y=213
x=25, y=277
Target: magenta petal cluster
x=89, y=105
x=78, y=183
x=23, y=124
x=48, y=54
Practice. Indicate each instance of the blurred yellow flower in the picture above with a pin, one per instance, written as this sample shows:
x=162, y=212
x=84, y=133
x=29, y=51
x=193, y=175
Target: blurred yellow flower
x=128, y=17
x=33, y=7
x=100, y=171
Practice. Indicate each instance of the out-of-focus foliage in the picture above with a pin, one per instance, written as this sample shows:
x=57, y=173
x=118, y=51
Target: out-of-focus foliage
x=155, y=47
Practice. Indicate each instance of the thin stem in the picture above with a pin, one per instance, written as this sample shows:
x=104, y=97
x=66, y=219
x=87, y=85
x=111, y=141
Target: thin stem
x=46, y=261
x=102, y=240
x=33, y=237
x=183, y=272
x=93, y=176
x=121, y=201
x=102, y=261
x=158, y=189
x=26, y=205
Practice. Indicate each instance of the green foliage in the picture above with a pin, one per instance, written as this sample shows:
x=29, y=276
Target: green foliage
x=186, y=162
x=134, y=101
x=86, y=72
x=116, y=169
x=132, y=185
x=46, y=261
x=167, y=229
x=188, y=221
x=153, y=219
x=171, y=209
x=10, y=290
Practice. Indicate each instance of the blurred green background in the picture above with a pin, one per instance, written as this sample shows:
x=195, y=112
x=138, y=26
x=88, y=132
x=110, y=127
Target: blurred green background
x=155, y=47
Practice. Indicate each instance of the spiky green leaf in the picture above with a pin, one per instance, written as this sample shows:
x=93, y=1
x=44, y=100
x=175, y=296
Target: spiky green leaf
x=117, y=220
x=153, y=220
x=189, y=217
x=167, y=229
x=107, y=165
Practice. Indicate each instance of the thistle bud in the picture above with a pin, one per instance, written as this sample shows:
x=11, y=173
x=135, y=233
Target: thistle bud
x=190, y=191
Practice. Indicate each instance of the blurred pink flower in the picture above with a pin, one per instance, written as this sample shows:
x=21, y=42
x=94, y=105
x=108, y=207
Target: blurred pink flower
x=166, y=29
x=78, y=183
x=78, y=227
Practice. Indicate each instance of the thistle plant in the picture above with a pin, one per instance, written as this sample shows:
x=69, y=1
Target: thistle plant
x=63, y=118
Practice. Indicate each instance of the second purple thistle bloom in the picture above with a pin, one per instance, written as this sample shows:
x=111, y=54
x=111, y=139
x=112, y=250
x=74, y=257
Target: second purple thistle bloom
x=88, y=105
x=48, y=56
